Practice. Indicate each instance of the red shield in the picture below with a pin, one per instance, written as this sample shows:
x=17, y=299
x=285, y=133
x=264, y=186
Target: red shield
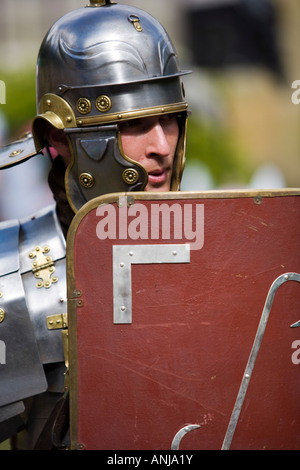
x=183, y=312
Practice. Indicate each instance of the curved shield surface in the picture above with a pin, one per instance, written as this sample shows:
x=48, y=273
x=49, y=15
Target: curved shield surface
x=179, y=337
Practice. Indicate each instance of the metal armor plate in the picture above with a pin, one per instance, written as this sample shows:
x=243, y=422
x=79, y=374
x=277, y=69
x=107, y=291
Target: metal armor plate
x=18, y=151
x=21, y=371
x=43, y=267
x=183, y=313
x=32, y=290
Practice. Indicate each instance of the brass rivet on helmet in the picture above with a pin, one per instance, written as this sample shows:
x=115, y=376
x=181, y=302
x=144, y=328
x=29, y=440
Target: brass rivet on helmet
x=130, y=176
x=15, y=153
x=84, y=105
x=103, y=103
x=86, y=180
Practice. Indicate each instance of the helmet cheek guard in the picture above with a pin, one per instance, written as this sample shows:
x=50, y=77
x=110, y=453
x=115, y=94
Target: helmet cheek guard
x=98, y=162
x=122, y=65
x=98, y=165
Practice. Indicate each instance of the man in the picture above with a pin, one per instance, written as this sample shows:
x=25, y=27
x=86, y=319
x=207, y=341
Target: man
x=149, y=141
x=111, y=109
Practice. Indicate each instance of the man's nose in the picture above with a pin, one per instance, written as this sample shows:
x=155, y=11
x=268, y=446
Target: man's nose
x=157, y=142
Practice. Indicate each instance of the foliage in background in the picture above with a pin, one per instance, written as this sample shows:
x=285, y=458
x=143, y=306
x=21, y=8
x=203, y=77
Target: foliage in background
x=213, y=146
x=20, y=106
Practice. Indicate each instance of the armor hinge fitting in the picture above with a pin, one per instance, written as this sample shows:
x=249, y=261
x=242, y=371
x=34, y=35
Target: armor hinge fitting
x=43, y=267
x=55, y=322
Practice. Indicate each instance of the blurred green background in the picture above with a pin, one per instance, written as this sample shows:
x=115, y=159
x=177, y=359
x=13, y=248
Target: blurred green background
x=20, y=98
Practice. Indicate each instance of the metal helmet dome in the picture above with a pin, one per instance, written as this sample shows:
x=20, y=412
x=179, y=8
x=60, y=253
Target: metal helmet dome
x=98, y=66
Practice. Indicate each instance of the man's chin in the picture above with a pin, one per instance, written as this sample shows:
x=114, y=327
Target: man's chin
x=151, y=188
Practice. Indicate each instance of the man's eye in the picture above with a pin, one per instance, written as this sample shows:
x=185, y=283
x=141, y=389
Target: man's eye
x=128, y=125
x=168, y=118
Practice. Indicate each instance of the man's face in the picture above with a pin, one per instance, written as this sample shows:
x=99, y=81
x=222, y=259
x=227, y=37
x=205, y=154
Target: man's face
x=152, y=142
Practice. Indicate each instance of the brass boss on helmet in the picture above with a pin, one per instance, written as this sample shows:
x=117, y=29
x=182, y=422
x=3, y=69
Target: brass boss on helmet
x=98, y=66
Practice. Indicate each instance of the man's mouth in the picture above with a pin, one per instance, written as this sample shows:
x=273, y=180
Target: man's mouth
x=158, y=176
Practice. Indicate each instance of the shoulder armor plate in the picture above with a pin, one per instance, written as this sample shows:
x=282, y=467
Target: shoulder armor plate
x=18, y=151
x=32, y=287
x=43, y=268
x=21, y=372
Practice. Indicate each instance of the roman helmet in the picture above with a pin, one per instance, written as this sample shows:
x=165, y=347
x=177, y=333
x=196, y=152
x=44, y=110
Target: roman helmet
x=98, y=66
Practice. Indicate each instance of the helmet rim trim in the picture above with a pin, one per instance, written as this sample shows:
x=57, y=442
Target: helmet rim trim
x=134, y=114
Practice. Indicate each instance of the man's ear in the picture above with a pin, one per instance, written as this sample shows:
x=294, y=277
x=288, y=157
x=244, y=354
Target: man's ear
x=58, y=140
